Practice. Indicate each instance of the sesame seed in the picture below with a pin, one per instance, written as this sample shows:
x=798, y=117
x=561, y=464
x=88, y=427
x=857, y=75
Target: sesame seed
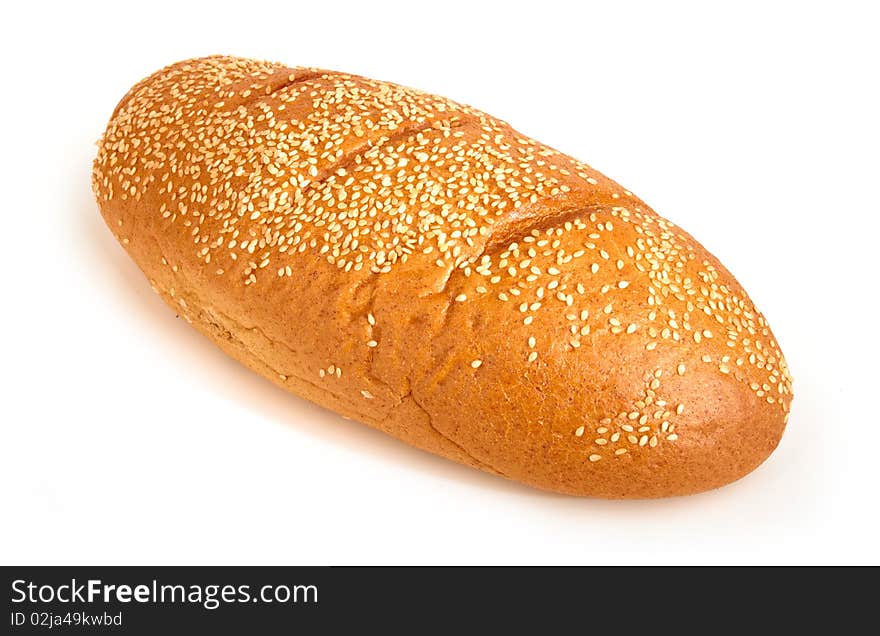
x=476, y=364
x=579, y=431
x=595, y=457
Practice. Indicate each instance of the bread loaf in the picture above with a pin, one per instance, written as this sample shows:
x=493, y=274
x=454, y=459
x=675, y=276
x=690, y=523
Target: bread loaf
x=420, y=266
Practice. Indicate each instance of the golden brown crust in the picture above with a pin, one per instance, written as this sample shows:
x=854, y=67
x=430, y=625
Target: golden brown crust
x=422, y=267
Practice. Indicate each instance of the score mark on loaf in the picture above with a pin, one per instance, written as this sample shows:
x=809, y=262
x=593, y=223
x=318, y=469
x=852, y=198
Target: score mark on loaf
x=420, y=266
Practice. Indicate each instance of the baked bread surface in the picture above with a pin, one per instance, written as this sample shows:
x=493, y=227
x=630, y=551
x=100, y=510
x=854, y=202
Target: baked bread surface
x=420, y=266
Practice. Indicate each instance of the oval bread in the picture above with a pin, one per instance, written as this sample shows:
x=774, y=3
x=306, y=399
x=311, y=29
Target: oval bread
x=422, y=267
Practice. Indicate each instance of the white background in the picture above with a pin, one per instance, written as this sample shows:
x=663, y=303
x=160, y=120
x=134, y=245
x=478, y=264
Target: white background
x=127, y=438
